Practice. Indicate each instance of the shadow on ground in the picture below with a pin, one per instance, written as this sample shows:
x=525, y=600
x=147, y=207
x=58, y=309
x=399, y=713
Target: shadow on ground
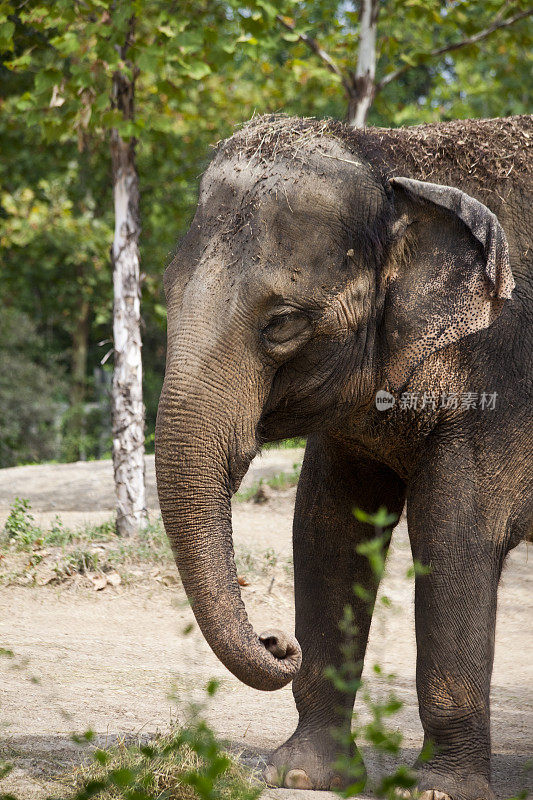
x=49, y=760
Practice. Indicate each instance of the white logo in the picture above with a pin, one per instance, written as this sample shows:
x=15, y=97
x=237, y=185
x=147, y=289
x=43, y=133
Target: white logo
x=384, y=400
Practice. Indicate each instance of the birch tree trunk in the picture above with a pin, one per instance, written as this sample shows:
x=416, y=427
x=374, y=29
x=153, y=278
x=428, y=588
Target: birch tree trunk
x=363, y=80
x=127, y=400
x=79, y=347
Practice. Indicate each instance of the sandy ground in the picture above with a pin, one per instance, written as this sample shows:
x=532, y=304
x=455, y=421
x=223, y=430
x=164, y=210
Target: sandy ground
x=118, y=661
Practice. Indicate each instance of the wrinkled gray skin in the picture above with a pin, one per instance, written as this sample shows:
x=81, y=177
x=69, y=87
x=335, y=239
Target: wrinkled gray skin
x=307, y=282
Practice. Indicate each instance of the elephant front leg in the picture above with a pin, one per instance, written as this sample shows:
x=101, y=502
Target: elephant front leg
x=455, y=623
x=326, y=566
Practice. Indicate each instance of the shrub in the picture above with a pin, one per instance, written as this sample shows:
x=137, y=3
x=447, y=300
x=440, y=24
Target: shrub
x=20, y=527
x=189, y=763
x=31, y=383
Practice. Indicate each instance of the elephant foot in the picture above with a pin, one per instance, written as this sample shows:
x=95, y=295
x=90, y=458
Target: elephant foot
x=306, y=761
x=291, y=779
x=433, y=785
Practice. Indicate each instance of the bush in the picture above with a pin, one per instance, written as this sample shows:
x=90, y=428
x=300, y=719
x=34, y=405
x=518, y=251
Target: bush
x=20, y=527
x=31, y=383
x=189, y=763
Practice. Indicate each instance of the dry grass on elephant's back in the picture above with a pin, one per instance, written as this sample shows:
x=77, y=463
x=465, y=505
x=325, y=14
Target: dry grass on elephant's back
x=484, y=152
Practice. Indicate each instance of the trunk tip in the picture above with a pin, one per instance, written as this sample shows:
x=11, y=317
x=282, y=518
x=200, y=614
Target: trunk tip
x=282, y=647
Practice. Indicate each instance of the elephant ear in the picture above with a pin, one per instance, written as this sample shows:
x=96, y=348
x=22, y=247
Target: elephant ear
x=451, y=273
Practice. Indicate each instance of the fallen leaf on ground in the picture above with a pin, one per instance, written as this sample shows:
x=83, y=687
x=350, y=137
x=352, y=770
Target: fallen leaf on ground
x=99, y=582
x=169, y=578
x=242, y=581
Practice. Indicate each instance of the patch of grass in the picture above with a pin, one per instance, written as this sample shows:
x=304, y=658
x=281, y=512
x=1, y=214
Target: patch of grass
x=186, y=764
x=150, y=546
x=280, y=482
x=285, y=480
x=266, y=563
x=81, y=561
x=58, y=535
x=243, y=495
x=31, y=555
x=22, y=533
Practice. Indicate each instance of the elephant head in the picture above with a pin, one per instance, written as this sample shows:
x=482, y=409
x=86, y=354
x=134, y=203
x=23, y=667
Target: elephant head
x=306, y=282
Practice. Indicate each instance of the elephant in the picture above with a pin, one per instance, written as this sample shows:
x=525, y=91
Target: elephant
x=325, y=265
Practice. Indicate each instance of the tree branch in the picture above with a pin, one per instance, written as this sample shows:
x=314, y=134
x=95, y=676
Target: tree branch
x=314, y=46
x=477, y=37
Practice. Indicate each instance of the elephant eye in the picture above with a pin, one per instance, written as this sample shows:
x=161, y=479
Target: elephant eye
x=285, y=327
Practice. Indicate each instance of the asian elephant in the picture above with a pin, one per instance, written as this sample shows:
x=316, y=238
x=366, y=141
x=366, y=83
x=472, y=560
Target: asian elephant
x=325, y=264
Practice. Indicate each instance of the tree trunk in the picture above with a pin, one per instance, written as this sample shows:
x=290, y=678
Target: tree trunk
x=80, y=338
x=127, y=401
x=363, y=80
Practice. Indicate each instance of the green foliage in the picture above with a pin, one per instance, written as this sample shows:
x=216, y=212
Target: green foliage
x=375, y=549
x=21, y=532
x=485, y=79
x=174, y=53
x=56, y=201
x=86, y=431
x=189, y=763
x=285, y=480
x=280, y=482
x=20, y=527
x=286, y=444
x=30, y=387
x=82, y=561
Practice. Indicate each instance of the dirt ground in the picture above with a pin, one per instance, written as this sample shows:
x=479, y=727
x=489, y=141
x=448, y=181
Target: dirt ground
x=118, y=661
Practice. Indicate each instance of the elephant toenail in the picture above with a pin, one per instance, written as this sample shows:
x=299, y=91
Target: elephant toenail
x=271, y=776
x=336, y=783
x=297, y=779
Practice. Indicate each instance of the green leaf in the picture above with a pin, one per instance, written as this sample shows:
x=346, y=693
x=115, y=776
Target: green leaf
x=269, y=9
x=195, y=69
x=169, y=32
x=212, y=687
x=7, y=29
x=101, y=756
x=122, y=777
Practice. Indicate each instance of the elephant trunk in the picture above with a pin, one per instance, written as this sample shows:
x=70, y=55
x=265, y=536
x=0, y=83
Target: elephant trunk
x=202, y=453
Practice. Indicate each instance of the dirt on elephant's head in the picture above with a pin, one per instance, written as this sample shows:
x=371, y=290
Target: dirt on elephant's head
x=483, y=152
